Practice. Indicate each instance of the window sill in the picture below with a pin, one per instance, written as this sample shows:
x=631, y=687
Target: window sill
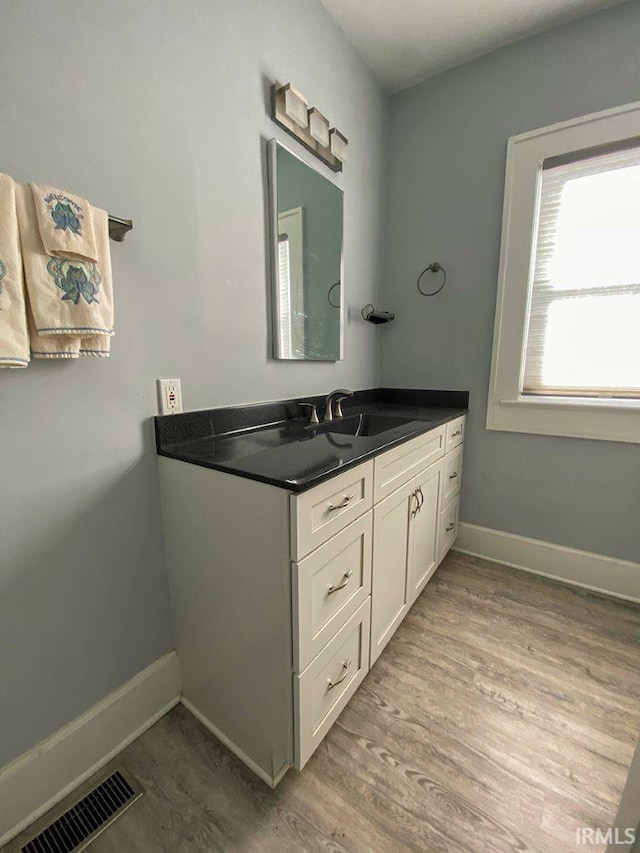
x=586, y=403
x=603, y=420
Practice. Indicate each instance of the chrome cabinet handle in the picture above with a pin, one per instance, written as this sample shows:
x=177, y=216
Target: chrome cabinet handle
x=450, y=527
x=453, y=476
x=343, y=675
x=346, y=577
x=456, y=434
x=419, y=496
x=345, y=502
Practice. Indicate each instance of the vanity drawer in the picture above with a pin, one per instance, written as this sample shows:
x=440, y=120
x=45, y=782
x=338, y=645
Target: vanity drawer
x=320, y=513
x=452, y=475
x=455, y=433
x=448, y=528
x=398, y=466
x=330, y=680
x=329, y=586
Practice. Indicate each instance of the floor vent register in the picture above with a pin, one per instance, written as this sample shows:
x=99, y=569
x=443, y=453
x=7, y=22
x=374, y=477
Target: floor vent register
x=85, y=819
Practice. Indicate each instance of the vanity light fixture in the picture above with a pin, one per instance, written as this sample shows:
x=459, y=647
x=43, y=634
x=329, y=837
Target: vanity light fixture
x=291, y=111
x=295, y=105
x=339, y=144
x=319, y=127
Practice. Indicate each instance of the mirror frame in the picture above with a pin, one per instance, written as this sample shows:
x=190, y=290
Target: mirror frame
x=273, y=145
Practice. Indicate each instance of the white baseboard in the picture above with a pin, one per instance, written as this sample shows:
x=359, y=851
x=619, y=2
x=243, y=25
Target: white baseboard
x=618, y=578
x=272, y=782
x=37, y=780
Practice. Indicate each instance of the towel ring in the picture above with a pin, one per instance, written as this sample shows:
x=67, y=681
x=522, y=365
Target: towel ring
x=333, y=305
x=434, y=267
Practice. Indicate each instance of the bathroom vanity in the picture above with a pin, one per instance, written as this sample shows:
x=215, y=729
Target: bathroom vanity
x=294, y=552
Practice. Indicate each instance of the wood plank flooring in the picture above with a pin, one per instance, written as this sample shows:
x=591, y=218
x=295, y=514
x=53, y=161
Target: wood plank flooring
x=502, y=716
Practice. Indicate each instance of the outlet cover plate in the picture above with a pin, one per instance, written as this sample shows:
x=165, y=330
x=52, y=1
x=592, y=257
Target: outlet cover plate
x=169, y=396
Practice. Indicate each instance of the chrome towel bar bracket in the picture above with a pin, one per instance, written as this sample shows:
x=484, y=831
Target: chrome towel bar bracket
x=119, y=228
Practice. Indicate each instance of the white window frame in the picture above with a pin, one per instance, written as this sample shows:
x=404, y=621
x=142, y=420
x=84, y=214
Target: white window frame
x=609, y=420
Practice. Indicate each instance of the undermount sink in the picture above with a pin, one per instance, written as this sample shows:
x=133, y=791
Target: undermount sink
x=364, y=424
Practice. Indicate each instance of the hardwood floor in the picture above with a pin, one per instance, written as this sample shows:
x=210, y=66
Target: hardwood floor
x=501, y=717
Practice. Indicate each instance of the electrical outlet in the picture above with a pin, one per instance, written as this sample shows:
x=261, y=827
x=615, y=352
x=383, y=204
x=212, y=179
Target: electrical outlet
x=169, y=396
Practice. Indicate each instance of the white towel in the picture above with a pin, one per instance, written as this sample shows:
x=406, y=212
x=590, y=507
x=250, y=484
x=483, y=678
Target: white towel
x=68, y=298
x=98, y=346
x=53, y=346
x=66, y=224
x=14, y=337
x=68, y=347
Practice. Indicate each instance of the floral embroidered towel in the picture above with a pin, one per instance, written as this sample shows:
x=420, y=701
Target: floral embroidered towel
x=66, y=224
x=67, y=298
x=53, y=346
x=67, y=346
x=98, y=346
x=14, y=338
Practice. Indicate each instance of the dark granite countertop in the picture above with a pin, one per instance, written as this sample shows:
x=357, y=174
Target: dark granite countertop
x=271, y=443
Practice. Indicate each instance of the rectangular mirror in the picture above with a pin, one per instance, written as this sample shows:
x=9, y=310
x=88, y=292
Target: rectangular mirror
x=306, y=250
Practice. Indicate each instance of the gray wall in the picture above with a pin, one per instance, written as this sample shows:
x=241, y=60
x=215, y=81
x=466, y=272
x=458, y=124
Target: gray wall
x=446, y=178
x=154, y=111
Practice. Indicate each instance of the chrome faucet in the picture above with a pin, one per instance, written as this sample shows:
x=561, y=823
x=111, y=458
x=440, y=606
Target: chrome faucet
x=338, y=396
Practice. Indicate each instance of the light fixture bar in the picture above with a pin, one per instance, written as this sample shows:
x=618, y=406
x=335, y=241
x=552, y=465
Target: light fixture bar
x=291, y=111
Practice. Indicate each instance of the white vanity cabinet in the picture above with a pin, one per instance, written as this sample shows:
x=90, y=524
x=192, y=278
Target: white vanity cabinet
x=280, y=602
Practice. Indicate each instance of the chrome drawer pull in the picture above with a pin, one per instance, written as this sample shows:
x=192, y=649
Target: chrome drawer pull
x=343, y=675
x=450, y=527
x=420, y=495
x=456, y=434
x=345, y=502
x=453, y=476
x=415, y=511
x=346, y=578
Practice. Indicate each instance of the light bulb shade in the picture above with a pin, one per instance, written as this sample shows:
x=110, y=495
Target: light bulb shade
x=295, y=105
x=339, y=145
x=319, y=127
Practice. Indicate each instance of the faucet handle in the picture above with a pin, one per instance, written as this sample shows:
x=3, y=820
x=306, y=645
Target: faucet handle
x=340, y=396
x=313, y=412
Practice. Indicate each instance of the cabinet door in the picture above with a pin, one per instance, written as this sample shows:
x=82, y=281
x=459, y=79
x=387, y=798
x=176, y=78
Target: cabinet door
x=423, y=557
x=389, y=602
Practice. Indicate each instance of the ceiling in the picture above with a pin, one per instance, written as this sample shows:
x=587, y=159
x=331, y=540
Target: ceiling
x=406, y=41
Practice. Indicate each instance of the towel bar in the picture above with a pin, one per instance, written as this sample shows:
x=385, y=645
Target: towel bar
x=119, y=228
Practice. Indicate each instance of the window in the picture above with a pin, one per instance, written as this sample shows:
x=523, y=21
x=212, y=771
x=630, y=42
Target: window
x=566, y=357
x=284, y=294
x=583, y=335
x=291, y=310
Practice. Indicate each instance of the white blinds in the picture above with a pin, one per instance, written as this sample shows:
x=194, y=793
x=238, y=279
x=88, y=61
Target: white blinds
x=284, y=288
x=583, y=335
